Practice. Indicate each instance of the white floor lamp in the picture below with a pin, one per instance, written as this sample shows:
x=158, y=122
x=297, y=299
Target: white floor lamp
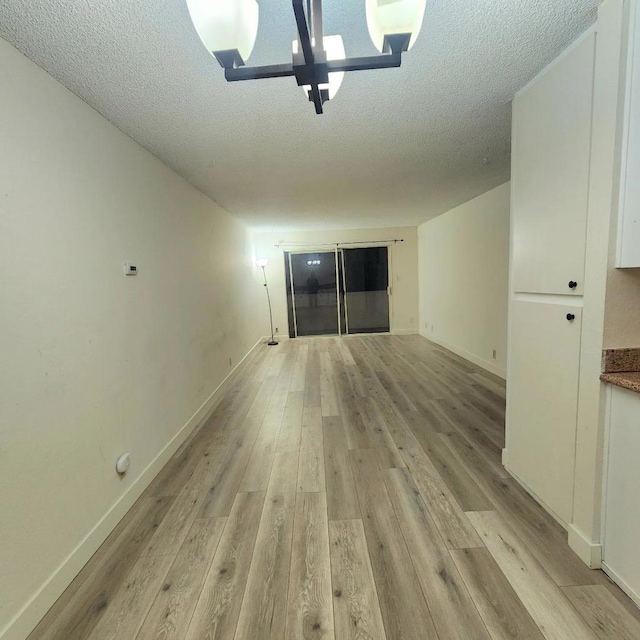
x=262, y=264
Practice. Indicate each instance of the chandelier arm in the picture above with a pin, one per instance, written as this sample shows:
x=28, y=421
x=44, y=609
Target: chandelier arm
x=257, y=73
x=284, y=70
x=362, y=64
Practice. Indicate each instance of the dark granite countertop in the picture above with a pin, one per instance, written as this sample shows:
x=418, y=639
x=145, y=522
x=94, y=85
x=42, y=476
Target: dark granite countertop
x=622, y=368
x=626, y=379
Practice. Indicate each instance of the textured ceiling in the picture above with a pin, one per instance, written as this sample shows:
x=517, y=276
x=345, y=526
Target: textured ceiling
x=395, y=147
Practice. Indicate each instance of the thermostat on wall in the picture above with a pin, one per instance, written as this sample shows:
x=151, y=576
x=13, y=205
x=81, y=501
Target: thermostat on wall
x=130, y=269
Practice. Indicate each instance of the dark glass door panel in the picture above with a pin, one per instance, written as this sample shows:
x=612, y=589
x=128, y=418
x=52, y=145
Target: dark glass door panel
x=315, y=293
x=366, y=277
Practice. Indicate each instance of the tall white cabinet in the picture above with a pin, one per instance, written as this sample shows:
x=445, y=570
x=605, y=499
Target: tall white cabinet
x=550, y=183
x=628, y=254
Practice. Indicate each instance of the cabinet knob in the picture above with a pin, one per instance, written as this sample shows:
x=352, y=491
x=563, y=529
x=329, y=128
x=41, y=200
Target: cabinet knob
x=573, y=284
x=570, y=317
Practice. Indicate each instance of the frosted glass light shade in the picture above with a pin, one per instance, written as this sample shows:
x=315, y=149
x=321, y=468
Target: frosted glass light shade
x=226, y=24
x=386, y=17
x=262, y=262
x=334, y=46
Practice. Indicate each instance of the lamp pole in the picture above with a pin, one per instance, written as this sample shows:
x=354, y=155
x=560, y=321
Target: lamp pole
x=273, y=342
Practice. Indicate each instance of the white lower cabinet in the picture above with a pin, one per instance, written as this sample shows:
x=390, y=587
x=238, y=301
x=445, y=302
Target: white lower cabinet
x=542, y=400
x=621, y=541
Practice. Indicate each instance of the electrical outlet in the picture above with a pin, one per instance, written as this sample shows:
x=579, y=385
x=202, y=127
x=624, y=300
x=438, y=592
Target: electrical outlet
x=230, y=362
x=495, y=354
x=130, y=269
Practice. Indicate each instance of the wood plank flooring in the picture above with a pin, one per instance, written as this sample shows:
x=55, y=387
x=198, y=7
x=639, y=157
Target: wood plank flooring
x=343, y=489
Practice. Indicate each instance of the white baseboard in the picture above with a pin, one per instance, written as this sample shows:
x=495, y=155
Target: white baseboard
x=630, y=591
x=532, y=493
x=589, y=552
x=278, y=337
x=491, y=367
x=404, y=332
x=34, y=610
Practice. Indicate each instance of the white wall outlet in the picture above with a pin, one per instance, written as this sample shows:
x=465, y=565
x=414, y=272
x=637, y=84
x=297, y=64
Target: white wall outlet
x=130, y=269
x=123, y=463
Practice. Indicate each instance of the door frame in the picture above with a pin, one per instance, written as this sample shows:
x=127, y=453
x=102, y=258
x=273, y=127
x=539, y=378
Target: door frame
x=333, y=247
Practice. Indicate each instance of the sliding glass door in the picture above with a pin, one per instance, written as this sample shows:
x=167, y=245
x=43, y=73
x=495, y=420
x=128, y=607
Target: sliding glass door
x=366, y=287
x=339, y=291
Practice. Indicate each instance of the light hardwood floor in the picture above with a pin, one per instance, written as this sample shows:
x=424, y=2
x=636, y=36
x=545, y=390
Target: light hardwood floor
x=350, y=489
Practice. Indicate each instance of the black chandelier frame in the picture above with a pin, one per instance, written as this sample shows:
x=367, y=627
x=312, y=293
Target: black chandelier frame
x=310, y=65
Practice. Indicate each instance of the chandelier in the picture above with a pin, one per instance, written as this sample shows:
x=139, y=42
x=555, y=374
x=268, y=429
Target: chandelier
x=228, y=29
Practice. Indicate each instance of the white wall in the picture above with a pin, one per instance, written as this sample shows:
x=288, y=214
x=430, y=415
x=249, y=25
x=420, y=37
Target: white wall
x=622, y=318
x=95, y=363
x=464, y=269
x=403, y=260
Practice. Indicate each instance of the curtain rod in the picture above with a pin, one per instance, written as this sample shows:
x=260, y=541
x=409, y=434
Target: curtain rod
x=334, y=244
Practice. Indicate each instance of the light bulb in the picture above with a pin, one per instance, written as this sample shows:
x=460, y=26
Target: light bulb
x=388, y=17
x=226, y=24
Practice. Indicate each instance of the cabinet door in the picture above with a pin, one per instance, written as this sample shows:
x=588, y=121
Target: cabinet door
x=550, y=174
x=622, y=521
x=542, y=398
